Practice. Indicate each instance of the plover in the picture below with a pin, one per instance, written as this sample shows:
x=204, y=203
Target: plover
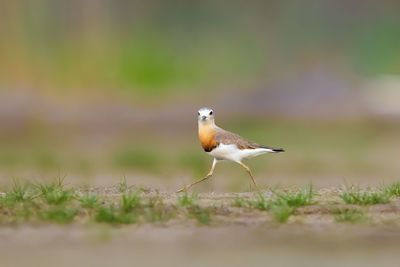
x=224, y=145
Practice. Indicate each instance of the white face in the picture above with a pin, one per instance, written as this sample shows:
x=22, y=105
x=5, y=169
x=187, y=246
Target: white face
x=205, y=114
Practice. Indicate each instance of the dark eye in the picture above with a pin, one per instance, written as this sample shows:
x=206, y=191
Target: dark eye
x=211, y=112
x=198, y=113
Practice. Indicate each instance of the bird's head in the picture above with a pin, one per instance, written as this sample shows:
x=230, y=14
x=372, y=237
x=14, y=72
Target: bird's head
x=205, y=115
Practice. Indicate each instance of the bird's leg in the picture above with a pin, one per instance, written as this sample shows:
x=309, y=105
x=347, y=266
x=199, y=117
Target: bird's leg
x=251, y=175
x=202, y=179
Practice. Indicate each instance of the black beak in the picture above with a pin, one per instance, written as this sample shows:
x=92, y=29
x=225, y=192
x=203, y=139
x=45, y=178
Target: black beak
x=203, y=118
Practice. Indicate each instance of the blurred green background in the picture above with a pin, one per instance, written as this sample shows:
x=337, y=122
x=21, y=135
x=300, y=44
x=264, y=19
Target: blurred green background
x=99, y=90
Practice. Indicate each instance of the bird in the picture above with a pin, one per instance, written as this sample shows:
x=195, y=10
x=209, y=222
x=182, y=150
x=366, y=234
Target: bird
x=225, y=145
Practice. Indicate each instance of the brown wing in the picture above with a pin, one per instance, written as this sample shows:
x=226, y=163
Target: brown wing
x=227, y=138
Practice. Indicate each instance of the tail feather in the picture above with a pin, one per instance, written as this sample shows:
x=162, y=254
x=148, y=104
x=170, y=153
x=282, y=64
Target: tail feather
x=276, y=150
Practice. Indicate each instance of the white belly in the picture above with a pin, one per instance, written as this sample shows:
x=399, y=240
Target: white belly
x=232, y=152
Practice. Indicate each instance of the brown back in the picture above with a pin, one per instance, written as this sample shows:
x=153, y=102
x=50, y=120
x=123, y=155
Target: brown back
x=225, y=137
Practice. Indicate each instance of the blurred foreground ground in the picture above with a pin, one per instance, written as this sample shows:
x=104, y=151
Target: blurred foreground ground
x=286, y=245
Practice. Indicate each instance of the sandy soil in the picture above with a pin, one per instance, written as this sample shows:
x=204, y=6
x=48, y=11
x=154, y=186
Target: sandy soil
x=200, y=246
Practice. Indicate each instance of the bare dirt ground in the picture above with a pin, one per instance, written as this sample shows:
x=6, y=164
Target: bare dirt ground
x=285, y=245
x=236, y=236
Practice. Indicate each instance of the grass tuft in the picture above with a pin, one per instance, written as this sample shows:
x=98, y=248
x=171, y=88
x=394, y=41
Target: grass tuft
x=158, y=214
x=393, y=189
x=123, y=185
x=202, y=215
x=156, y=211
x=59, y=215
x=20, y=192
x=302, y=197
x=239, y=202
x=187, y=200
x=349, y=215
x=359, y=197
x=282, y=212
x=114, y=216
x=54, y=193
x=130, y=201
x=89, y=201
x=282, y=205
x=260, y=203
x=58, y=196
